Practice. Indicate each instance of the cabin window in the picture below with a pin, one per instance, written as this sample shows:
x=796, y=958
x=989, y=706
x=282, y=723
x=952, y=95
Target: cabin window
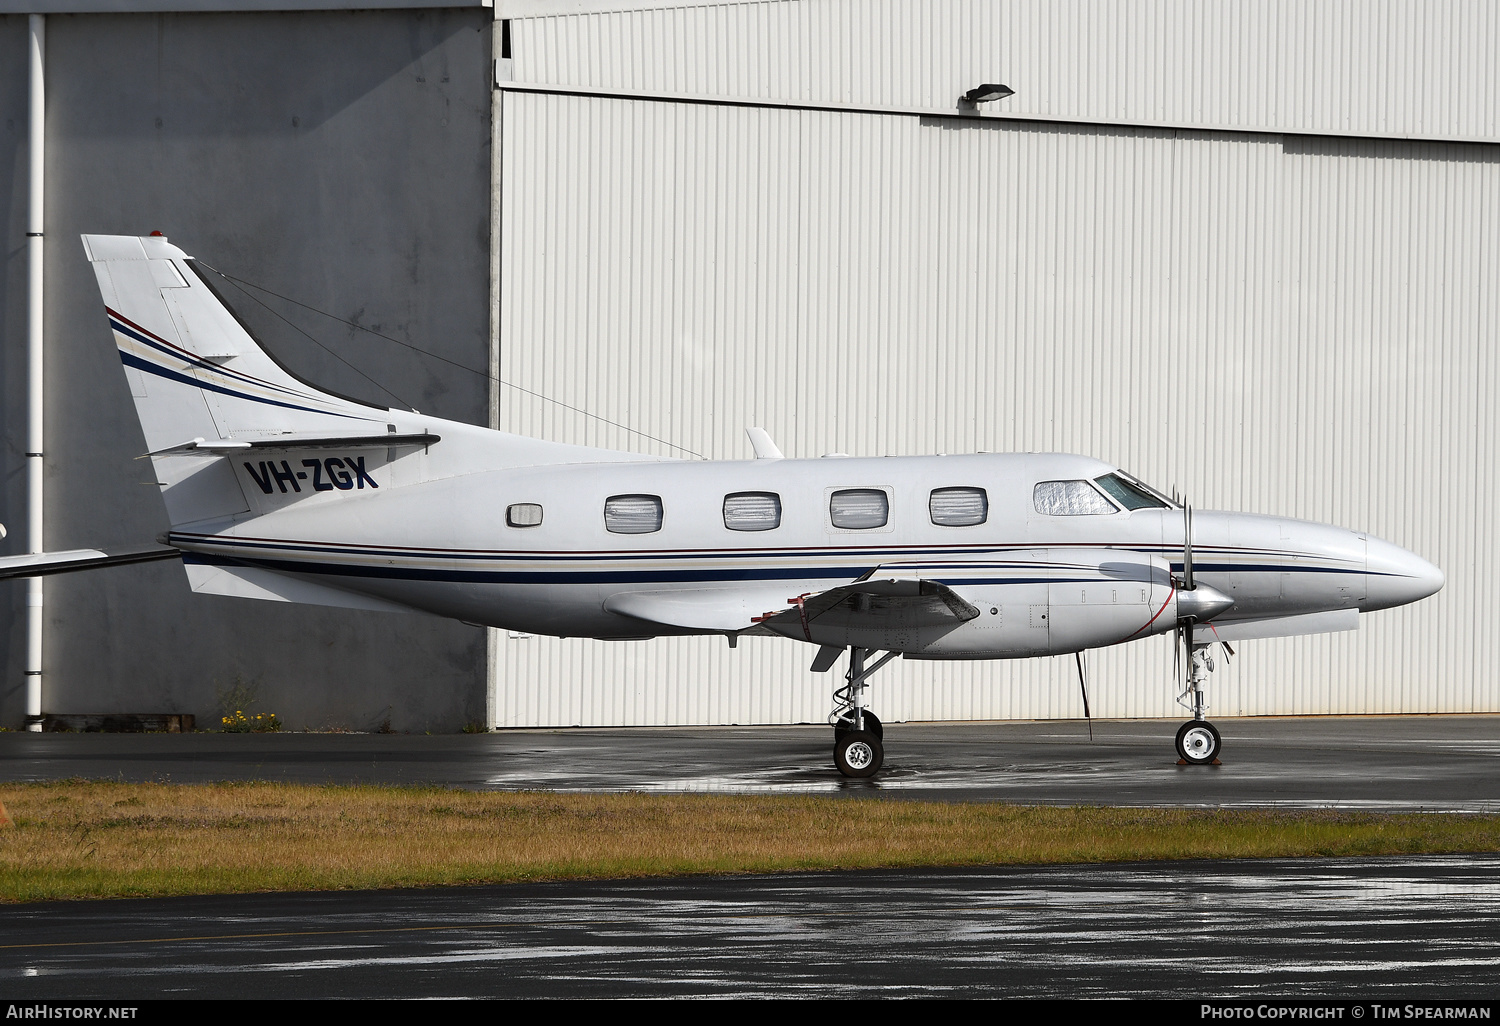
x=958, y=507
x=1128, y=494
x=859, y=509
x=632, y=514
x=523, y=514
x=1069, y=499
x=752, y=511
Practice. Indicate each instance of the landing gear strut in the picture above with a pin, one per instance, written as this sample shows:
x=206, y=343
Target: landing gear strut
x=1198, y=741
x=858, y=750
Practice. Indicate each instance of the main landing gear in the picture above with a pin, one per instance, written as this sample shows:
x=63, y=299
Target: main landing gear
x=1198, y=741
x=858, y=748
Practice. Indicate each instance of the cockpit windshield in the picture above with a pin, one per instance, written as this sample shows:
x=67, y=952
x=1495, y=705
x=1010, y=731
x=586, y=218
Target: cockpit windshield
x=1131, y=493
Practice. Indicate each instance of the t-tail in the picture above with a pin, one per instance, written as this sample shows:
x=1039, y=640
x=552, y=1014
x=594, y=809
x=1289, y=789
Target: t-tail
x=194, y=370
x=234, y=436
x=203, y=387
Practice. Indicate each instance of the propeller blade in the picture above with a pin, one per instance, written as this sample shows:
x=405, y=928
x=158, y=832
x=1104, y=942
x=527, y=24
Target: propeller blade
x=1187, y=546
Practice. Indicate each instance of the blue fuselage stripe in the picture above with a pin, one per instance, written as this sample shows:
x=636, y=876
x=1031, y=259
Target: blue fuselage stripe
x=679, y=575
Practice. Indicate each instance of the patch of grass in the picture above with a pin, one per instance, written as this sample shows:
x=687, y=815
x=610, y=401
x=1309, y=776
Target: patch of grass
x=82, y=839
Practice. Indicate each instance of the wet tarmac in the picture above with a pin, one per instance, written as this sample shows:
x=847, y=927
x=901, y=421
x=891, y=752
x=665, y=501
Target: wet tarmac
x=1388, y=930
x=1448, y=763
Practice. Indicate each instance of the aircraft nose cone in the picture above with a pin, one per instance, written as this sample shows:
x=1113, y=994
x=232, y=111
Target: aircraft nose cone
x=1202, y=603
x=1395, y=576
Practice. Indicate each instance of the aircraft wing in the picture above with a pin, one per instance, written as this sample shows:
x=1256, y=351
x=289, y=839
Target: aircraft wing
x=874, y=604
x=705, y=609
x=40, y=564
x=889, y=604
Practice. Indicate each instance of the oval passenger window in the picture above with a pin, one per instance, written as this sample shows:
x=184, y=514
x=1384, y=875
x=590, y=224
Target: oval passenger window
x=632, y=514
x=958, y=507
x=752, y=511
x=859, y=509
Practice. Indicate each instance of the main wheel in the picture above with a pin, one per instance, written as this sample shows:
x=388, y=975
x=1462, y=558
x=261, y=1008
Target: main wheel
x=858, y=754
x=1198, y=742
x=845, y=724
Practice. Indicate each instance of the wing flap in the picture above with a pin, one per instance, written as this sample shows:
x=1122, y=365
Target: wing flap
x=877, y=604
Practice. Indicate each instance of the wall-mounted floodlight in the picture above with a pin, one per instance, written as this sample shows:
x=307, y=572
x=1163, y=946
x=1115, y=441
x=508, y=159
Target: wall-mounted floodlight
x=987, y=92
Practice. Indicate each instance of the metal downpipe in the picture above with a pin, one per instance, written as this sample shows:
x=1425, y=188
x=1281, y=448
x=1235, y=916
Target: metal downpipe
x=36, y=117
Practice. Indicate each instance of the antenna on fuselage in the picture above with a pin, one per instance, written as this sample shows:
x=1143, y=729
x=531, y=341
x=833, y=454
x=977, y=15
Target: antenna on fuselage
x=760, y=441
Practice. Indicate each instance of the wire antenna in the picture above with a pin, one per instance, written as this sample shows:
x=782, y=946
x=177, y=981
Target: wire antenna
x=243, y=285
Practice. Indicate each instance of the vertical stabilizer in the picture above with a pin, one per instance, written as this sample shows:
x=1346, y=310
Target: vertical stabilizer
x=195, y=372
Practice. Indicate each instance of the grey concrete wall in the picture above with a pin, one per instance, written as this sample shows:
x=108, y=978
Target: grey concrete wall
x=340, y=159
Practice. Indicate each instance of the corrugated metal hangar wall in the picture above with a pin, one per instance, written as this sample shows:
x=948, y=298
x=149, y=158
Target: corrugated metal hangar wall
x=1246, y=250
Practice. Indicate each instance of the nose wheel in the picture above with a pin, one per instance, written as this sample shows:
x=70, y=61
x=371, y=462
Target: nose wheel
x=1198, y=743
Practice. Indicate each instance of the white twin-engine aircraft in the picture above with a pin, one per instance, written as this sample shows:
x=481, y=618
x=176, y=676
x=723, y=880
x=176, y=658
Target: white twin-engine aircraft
x=277, y=490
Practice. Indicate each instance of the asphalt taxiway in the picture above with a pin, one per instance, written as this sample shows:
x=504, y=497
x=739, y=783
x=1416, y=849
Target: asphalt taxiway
x=1388, y=930
x=1439, y=763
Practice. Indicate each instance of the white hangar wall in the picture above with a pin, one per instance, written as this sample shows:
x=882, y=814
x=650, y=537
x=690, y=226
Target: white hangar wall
x=1301, y=325
x=1369, y=67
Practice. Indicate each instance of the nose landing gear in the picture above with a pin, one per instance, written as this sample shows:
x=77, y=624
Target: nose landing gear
x=1198, y=742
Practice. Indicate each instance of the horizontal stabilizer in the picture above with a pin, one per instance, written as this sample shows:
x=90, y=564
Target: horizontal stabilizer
x=200, y=447
x=1287, y=626
x=41, y=564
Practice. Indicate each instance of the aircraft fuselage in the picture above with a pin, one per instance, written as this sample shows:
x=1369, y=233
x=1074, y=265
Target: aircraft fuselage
x=1043, y=583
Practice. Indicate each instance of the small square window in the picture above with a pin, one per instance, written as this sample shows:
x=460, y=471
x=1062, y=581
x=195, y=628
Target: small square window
x=632, y=514
x=859, y=509
x=523, y=514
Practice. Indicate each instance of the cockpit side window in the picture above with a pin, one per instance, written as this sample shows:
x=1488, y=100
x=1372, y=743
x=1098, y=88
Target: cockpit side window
x=1128, y=494
x=1070, y=499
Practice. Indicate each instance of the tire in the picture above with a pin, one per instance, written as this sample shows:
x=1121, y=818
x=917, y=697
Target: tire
x=1198, y=742
x=858, y=754
x=845, y=724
